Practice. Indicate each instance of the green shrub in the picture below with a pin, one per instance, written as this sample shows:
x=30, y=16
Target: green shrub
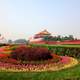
x=62, y=50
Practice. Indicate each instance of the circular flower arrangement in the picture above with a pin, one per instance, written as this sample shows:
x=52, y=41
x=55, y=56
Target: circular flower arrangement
x=34, y=59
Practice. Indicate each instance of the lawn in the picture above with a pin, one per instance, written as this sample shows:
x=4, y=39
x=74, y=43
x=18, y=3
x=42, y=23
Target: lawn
x=59, y=45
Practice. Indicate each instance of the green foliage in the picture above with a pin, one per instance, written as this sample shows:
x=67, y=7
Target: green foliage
x=1, y=44
x=58, y=38
x=62, y=50
x=13, y=47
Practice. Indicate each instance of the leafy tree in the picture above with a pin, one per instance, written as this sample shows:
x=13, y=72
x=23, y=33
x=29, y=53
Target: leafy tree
x=71, y=37
x=20, y=41
x=58, y=38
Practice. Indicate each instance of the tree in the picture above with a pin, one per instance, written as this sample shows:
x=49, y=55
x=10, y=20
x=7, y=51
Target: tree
x=10, y=41
x=20, y=41
x=71, y=37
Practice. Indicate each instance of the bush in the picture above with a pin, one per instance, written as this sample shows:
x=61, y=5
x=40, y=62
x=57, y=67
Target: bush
x=62, y=50
x=31, y=53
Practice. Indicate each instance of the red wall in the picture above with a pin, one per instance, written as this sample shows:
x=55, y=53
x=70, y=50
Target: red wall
x=56, y=42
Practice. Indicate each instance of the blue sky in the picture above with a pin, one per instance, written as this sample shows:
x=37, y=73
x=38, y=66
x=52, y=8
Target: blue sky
x=23, y=18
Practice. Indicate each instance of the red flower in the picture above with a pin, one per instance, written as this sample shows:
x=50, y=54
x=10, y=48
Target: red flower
x=4, y=55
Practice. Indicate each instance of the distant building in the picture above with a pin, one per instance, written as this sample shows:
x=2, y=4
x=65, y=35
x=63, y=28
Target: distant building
x=39, y=36
x=20, y=41
x=2, y=40
x=42, y=34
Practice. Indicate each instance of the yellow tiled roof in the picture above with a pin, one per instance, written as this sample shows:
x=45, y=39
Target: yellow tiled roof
x=44, y=32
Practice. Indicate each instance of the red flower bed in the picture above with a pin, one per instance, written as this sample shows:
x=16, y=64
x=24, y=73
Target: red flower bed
x=12, y=61
x=29, y=58
x=38, y=67
x=65, y=59
x=4, y=55
x=56, y=58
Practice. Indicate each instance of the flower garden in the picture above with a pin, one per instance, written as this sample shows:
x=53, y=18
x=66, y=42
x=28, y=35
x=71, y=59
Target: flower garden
x=38, y=58
x=32, y=59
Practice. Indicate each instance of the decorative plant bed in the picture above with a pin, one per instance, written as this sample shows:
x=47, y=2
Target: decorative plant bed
x=63, y=64
x=34, y=59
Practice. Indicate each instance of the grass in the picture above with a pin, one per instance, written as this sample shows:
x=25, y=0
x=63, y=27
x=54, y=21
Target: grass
x=74, y=46
x=66, y=45
x=67, y=74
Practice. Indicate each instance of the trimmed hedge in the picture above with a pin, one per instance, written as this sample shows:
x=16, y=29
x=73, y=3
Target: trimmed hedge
x=62, y=50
